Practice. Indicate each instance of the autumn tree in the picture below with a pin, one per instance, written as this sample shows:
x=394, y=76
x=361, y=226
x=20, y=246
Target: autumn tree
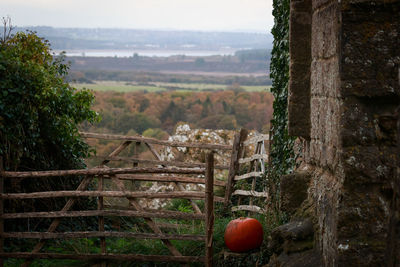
x=39, y=117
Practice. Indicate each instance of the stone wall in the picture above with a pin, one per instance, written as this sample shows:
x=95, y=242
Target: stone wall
x=347, y=83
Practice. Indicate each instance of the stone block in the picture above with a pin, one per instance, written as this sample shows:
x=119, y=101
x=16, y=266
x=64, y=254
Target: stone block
x=306, y=258
x=369, y=121
x=325, y=77
x=300, y=5
x=370, y=47
x=300, y=54
x=363, y=215
x=228, y=259
x=325, y=32
x=285, y=237
x=316, y=78
x=316, y=4
x=362, y=210
x=369, y=165
x=300, y=36
x=293, y=188
x=370, y=88
x=298, y=104
x=316, y=114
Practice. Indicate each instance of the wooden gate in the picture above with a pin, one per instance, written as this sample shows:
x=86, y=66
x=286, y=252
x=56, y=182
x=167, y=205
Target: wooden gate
x=150, y=143
x=96, y=177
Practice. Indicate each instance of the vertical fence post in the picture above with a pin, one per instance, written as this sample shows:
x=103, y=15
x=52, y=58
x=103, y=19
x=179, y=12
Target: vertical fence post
x=136, y=153
x=100, y=206
x=1, y=210
x=209, y=208
x=234, y=165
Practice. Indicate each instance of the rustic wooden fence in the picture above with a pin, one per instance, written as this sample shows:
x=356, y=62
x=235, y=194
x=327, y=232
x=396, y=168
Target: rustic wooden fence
x=155, y=170
x=96, y=176
x=255, y=163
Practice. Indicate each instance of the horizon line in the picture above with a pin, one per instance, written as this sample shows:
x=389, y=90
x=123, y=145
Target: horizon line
x=266, y=31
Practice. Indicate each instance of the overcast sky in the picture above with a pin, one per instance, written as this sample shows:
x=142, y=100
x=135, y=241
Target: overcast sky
x=231, y=15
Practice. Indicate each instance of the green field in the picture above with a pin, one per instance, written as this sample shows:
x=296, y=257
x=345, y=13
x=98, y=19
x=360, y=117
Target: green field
x=158, y=86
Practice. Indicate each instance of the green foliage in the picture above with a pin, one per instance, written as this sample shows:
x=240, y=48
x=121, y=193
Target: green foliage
x=142, y=77
x=39, y=111
x=39, y=118
x=136, y=121
x=155, y=133
x=282, y=154
x=253, y=54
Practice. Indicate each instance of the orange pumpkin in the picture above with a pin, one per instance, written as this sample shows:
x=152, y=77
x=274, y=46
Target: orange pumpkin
x=243, y=234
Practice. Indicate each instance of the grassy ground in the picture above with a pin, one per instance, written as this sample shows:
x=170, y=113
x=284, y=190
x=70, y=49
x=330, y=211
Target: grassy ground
x=126, y=245
x=158, y=87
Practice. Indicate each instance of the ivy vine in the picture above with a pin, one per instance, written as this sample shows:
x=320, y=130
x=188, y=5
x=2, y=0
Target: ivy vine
x=281, y=152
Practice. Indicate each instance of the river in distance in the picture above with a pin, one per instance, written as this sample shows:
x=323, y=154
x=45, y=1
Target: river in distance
x=147, y=53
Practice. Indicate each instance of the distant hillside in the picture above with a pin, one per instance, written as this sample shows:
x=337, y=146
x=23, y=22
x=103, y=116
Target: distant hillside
x=228, y=64
x=87, y=38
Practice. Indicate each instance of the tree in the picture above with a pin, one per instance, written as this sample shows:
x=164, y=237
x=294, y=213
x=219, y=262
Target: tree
x=136, y=121
x=39, y=111
x=39, y=116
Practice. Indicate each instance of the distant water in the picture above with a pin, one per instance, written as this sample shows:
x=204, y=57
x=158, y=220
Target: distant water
x=148, y=53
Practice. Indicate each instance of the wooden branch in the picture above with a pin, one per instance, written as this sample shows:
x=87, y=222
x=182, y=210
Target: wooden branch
x=248, y=208
x=256, y=139
x=106, y=213
x=250, y=193
x=100, y=171
x=164, y=163
x=234, y=165
x=179, y=179
x=248, y=175
x=153, y=151
x=118, y=150
x=156, y=141
x=101, y=234
x=209, y=208
x=254, y=157
x=113, y=257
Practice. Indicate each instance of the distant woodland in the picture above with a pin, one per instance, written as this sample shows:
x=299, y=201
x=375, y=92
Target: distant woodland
x=157, y=114
x=246, y=67
x=231, y=64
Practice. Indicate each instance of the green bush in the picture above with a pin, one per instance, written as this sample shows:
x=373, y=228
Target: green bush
x=39, y=111
x=39, y=118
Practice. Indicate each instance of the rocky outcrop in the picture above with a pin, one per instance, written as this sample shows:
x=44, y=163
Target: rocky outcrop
x=293, y=244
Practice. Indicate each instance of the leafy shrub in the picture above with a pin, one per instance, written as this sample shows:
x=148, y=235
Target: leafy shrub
x=39, y=117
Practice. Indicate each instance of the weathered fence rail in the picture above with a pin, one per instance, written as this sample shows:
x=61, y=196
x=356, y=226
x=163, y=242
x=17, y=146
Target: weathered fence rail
x=155, y=141
x=116, y=175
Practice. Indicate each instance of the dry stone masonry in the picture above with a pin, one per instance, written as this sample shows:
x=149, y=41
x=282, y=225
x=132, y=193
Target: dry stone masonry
x=344, y=103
